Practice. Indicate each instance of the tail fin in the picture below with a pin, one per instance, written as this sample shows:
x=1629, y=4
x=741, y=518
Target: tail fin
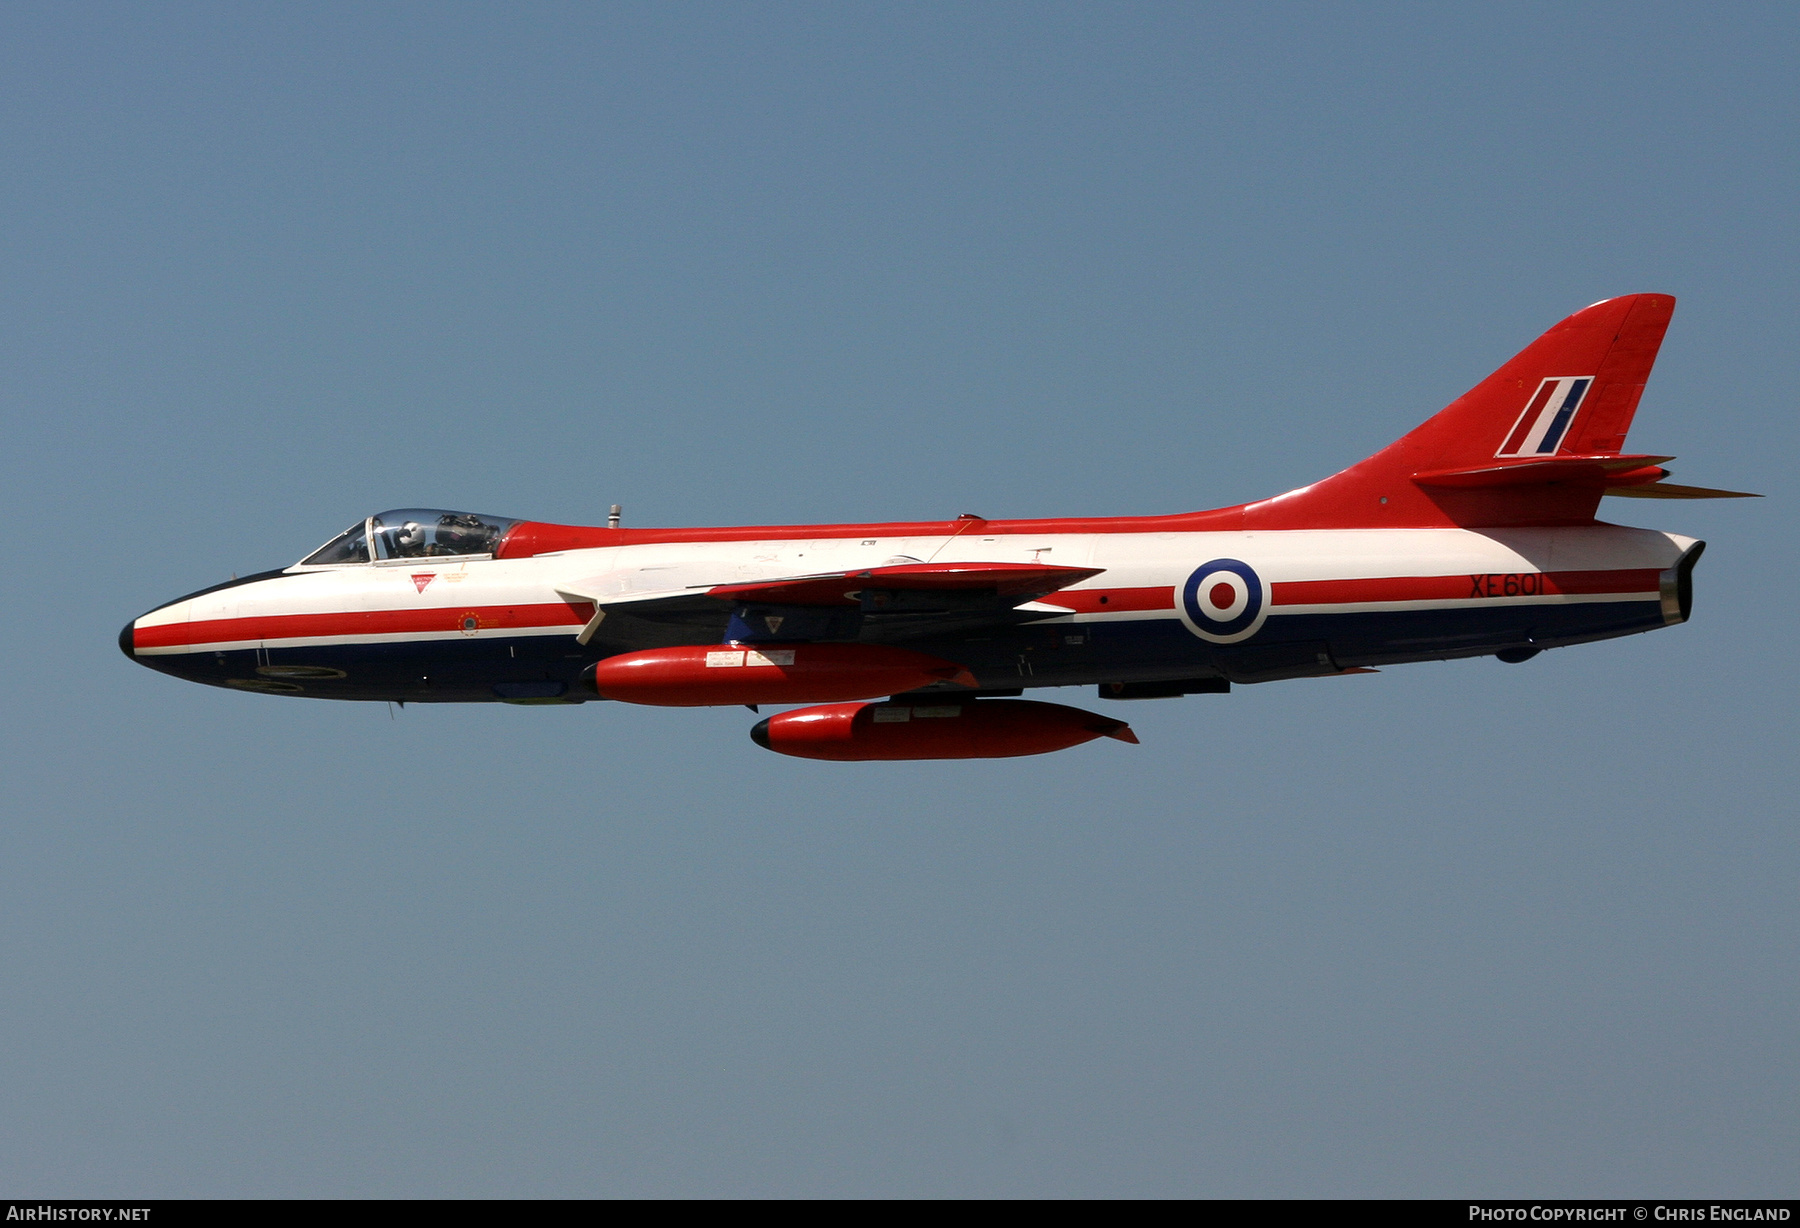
x=1536, y=442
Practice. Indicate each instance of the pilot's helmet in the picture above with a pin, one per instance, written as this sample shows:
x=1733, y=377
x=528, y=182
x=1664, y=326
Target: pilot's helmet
x=411, y=536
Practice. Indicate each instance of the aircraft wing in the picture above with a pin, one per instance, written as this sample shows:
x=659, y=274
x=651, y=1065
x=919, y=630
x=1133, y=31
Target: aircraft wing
x=897, y=601
x=1018, y=581
x=677, y=606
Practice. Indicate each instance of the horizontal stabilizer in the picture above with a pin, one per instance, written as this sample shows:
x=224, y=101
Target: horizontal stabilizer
x=1668, y=490
x=1597, y=470
x=1636, y=477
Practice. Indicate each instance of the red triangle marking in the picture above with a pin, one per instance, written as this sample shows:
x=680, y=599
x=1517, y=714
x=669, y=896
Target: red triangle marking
x=422, y=578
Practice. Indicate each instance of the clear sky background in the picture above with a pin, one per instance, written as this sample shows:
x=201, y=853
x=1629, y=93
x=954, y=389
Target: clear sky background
x=1456, y=929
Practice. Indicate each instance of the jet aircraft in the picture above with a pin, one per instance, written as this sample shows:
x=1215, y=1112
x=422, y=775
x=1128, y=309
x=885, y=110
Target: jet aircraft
x=1474, y=535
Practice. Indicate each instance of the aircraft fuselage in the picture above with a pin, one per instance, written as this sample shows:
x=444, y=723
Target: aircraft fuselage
x=489, y=629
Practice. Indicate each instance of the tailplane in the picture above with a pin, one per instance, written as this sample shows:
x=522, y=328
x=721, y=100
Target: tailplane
x=1537, y=442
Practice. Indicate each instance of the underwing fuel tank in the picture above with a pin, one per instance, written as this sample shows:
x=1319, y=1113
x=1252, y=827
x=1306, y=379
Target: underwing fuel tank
x=971, y=729
x=701, y=675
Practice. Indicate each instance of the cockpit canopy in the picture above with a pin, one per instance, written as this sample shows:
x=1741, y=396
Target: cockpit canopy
x=412, y=533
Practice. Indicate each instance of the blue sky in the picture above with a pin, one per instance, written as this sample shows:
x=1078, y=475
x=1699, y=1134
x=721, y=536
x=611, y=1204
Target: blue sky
x=1455, y=930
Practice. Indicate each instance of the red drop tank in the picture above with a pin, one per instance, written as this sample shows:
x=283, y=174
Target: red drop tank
x=970, y=729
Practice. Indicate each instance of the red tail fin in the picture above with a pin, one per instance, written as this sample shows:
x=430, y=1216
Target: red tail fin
x=1571, y=393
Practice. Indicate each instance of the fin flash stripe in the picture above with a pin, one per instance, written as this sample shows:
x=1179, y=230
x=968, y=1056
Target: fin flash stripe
x=1547, y=416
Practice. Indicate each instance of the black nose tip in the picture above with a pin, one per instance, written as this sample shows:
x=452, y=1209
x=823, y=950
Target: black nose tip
x=125, y=644
x=759, y=733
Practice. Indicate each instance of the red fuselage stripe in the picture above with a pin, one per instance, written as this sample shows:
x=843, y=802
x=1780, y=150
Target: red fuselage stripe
x=365, y=622
x=1387, y=588
x=1445, y=588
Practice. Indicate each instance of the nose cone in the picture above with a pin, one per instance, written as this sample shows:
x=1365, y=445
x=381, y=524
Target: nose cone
x=145, y=640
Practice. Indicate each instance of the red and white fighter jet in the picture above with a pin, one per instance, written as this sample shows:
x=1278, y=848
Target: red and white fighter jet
x=1475, y=535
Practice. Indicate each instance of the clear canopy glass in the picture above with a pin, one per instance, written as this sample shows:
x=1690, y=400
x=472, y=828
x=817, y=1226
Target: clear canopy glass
x=413, y=533
x=350, y=546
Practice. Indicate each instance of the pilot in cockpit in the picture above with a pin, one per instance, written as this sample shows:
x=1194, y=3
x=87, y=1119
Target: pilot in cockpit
x=409, y=542
x=411, y=533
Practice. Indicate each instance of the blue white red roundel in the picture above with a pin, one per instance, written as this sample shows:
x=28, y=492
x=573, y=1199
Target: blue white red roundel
x=1224, y=601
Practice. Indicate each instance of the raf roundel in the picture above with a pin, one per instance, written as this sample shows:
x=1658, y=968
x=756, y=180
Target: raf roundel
x=1223, y=601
